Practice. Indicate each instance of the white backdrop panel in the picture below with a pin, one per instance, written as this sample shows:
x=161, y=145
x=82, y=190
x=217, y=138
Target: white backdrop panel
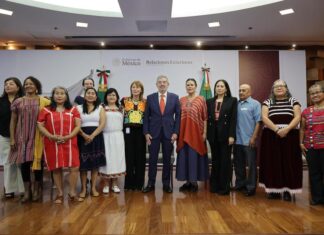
x=68, y=67
x=293, y=71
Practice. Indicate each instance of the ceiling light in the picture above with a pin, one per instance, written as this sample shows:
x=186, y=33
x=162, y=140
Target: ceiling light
x=102, y=44
x=213, y=24
x=11, y=47
x=198, y=43
x=185, y=8
x=246, y=47
x=151, y=45
x=287, y=11
x=82, y=25
x=108, y=8
x=5, y=12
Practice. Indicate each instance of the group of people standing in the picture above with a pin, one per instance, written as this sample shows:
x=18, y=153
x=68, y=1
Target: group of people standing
x=109, y=139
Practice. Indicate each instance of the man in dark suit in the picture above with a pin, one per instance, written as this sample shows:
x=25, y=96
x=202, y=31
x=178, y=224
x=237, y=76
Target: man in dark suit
x=161, y=126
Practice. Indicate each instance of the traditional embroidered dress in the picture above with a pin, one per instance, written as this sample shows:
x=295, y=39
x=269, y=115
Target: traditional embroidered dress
x=192, y=161
x=114, y=144
x=314, y=131
x=11, y=172
x=281, y=160
x=29, y=144
x=135, y=143
x=60, y=123
x=314, y=142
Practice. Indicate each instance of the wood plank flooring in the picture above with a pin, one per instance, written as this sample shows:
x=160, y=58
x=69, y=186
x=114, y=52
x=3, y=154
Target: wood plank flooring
x=161, y=213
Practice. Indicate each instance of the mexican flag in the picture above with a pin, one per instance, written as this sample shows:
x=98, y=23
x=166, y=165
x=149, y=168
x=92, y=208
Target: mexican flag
x=103, y=83
x=205, y=90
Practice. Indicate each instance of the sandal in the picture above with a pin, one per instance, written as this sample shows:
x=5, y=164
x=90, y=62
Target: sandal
x=96, y=194
x=85, y=195
x=75, y=198
x=58, y=199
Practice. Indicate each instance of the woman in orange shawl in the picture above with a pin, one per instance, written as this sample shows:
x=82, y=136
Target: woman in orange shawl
x=192, y=161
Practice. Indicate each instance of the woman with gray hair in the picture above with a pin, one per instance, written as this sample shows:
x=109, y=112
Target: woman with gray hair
x=281, y=161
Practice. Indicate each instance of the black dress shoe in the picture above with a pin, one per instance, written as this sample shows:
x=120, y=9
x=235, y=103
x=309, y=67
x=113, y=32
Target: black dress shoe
x=314, y=203
x=194, y=188
x=167, y=189
x=139, y=188
x=223, y=193
x=148, y=188
x=212, y=190
x=286, y=196
x=249, y=193
x=185, y=187
x=242, y=188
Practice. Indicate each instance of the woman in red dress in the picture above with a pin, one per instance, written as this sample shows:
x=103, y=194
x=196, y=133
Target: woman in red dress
x=59, y=123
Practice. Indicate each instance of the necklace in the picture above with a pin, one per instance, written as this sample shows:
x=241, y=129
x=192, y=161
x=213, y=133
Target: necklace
x=135, y=101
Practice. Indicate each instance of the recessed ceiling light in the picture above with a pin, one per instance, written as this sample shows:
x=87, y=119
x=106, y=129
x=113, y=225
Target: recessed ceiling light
x=198, y=43
x=287, y=11
x=11, y=47
x=102, y=44
x=151, y=45
x=185, y=8
x=108, y=8
x=6, y=12
x=82, y=25
x=213, y=24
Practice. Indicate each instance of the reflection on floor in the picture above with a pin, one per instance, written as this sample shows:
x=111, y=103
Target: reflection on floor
x=156, y=212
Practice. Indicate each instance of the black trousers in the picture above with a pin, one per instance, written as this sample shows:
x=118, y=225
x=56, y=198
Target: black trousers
x=315, y=160
x=135, y=152
x=25, y=172
x=221, y=172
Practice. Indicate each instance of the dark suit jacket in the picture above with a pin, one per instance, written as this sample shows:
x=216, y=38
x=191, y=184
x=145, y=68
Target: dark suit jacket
x=226, y=124
x=154, y=121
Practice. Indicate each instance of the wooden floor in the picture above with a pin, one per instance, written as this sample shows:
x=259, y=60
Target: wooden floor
x=160, y=213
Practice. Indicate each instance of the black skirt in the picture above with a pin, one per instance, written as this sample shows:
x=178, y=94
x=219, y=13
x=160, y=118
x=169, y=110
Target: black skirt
x=92, y=155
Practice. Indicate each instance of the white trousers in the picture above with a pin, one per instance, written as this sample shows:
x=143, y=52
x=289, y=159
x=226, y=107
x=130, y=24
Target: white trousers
x=11, y=172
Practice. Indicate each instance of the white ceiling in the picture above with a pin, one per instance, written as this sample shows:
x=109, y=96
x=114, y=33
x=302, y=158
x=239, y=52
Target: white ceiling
x=149, y=21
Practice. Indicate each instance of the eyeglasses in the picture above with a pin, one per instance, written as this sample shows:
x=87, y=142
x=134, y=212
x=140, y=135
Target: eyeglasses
x=279, y=86
x=315, y=93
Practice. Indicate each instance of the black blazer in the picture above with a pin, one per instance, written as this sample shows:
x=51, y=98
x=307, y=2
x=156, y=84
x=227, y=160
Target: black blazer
x=226, y=124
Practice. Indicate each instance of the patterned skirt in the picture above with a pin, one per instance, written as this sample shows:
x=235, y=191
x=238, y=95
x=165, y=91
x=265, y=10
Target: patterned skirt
x=92, y=155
